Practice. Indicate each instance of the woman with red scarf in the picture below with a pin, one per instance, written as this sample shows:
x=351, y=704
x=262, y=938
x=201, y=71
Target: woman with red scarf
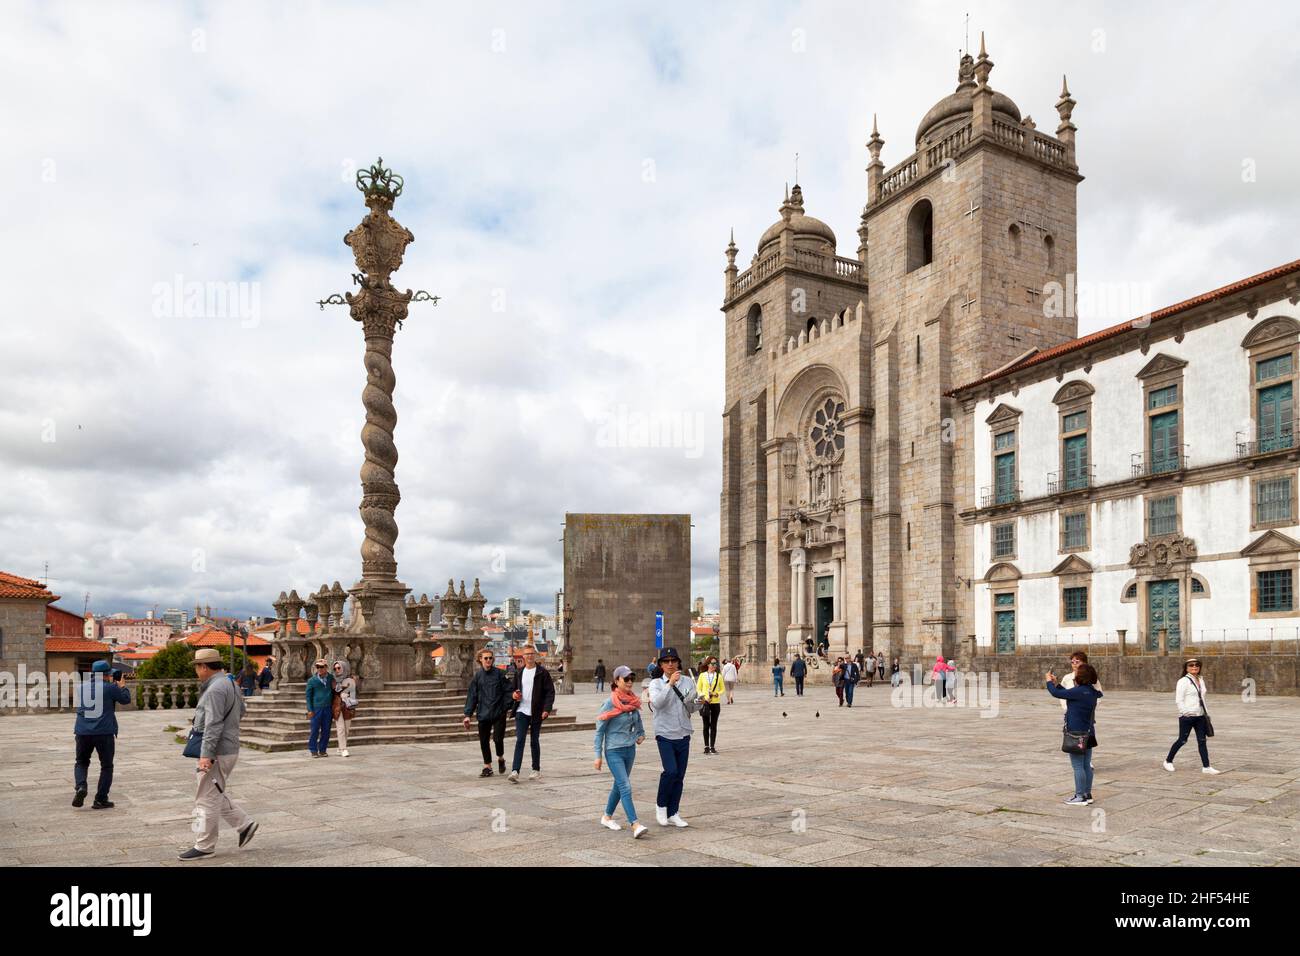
x=618, y=731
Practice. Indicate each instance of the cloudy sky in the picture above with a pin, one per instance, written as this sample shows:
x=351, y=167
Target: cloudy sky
x=571, y=175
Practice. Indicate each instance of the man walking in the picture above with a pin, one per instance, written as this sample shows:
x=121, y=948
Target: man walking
x=489, y=699
x=96, y=731
x=320, y=708
x=730, y=674
x=798, y=670
x=672, y=700
x=533, y=694
x=851, y=677
x=600, y=676
x=869, y=669
x=216, y=719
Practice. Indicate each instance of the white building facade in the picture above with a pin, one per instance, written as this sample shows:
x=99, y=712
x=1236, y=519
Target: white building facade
x=1140, y=484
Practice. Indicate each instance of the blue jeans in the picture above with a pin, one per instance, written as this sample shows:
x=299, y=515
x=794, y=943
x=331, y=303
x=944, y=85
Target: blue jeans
x=620, y=761
x=673, y=754
x=320, y=729
x=1082, y=764
x=848, y=692
x=600, y=684
x=1185, y=726
x=530, y=727
x=778, y=685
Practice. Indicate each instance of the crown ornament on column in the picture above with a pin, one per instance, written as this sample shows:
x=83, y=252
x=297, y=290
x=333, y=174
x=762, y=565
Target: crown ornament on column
x=381, y=182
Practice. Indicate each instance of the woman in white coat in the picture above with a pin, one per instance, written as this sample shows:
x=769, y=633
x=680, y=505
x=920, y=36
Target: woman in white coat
x=345, y=702
x=1190, y=697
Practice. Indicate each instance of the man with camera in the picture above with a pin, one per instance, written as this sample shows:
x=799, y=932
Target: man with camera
x=672, y=701
x=96, y=731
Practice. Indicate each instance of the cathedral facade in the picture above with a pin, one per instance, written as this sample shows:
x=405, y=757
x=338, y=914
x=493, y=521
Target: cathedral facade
x=845, y=461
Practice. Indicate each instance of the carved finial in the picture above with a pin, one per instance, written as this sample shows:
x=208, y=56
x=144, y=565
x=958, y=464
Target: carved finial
x=983, y=53
x=1065, y=89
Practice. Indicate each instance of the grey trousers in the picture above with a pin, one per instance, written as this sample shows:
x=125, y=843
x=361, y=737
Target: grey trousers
x=212, y=803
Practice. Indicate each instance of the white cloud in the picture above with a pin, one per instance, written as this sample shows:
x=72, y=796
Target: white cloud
x=133, y=157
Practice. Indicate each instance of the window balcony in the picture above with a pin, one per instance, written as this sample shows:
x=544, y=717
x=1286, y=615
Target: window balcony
x=1285, y=440
x=1002, y=495
x=1058, y=483
x=1145, y=465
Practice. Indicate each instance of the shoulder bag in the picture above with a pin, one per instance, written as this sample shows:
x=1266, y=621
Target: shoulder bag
x=1079, y=742
x=1209, y=727
x=194, y=742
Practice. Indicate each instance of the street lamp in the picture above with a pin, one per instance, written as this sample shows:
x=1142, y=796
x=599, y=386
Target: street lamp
x=568, y=649
x=235, y=631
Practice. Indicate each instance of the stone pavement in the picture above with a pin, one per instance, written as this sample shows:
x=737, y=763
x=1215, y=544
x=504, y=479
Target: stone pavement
x=873, y=786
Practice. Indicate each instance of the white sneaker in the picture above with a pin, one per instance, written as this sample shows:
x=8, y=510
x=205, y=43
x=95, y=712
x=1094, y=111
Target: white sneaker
x=514, y=776
x=677, y=821
x=343, y=753
x=610, y=822
x=535, y=775
x=638, y=829
x=661, y=816
x=1169, y=766
x=1210, y=770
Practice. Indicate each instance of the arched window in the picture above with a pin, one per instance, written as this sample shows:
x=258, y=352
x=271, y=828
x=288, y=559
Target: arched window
x=920, y=235
x=812, y=324
x=1014, y=235
x=1049, y=244
x=1132, y=592
x=754, y=331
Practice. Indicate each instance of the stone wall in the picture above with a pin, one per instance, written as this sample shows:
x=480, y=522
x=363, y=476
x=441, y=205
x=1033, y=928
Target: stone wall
x=1274, y=674
x=619, y=569
x=22, y=635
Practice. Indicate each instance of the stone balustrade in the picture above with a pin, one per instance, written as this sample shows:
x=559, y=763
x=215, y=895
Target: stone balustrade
x=1021, y=138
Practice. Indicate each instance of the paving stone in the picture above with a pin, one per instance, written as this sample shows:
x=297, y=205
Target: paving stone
x=931, y=789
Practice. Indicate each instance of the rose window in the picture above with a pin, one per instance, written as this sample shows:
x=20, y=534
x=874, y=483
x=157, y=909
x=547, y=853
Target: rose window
x=827, y=434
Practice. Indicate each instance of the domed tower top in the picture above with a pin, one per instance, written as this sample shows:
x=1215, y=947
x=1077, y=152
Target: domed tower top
x=957, y=107
x=809, y=233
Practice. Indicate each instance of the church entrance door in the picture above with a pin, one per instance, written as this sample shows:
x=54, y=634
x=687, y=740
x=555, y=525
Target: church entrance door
x=825, y=609
x=1162, y=612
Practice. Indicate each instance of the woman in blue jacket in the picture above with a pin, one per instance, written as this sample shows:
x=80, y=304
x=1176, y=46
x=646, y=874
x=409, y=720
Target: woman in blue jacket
x=1080, y=718
x=618, y=731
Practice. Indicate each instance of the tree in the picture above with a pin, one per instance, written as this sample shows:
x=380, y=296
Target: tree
x=176, y=662
x=173, y=662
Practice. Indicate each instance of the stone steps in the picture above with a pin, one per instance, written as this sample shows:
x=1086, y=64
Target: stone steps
x=403, y=712
x=274, y=743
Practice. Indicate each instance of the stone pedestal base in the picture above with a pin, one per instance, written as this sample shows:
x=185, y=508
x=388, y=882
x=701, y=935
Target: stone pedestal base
x=458, y=653
x=837, y=635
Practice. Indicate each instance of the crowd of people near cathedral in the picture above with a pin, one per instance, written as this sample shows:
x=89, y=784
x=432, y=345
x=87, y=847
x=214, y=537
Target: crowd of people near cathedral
x=669, y=695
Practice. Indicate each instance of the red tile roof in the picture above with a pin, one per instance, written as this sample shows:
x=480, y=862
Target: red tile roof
x=271, y=628
x=73, y=645
x=1074, y=345
x=12, y=586
x=213, y=637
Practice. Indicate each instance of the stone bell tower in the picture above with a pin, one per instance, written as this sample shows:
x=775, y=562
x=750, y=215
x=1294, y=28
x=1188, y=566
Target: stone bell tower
x=967, y=238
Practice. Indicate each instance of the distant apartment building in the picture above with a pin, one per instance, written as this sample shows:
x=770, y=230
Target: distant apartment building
x=512, y=609
x=176, y=618
x=699, y=607
x=149, y=632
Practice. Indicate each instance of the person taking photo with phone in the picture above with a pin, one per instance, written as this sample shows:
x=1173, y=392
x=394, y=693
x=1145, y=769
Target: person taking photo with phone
x=96, y=731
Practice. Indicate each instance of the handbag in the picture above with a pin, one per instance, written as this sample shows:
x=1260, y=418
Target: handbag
x=1209, y=727
x=1079, y=742
x=194, y=742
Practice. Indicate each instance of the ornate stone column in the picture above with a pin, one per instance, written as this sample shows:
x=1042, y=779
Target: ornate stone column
x=378, y=244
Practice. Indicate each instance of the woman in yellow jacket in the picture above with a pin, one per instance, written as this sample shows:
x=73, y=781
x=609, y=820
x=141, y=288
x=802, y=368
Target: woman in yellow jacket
x=711, y=689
